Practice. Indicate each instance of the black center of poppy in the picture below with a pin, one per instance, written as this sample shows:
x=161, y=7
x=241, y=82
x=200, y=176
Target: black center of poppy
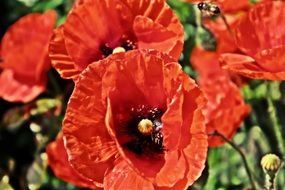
x=106, y=50
x=125, y=43
x=147, y=140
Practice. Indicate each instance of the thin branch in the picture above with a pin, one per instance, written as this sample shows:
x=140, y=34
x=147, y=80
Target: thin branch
x=234, y=146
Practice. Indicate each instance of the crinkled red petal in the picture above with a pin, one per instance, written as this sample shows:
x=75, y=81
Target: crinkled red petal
x=58, y=161
x=24, y=57
x=247, y=66
x=15, y=89
x=88, y=143
x=24, y=45
x=60, y=59
x=225, y=109
x=90, y=26
x=165, y=40
x=184, y=100
x=206, y=62
x=93, y=24
x=265, y=17
x=123, y=177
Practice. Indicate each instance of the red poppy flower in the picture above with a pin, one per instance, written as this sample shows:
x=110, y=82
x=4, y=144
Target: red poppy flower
x=225, y=108
x=24, y=54
x=134, y=121
x=264, y=47
x=95, y=29
x=207, y=62
x=58, y=161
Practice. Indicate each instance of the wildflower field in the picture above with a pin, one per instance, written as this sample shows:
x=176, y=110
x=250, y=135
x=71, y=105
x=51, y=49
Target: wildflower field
x=142, y=94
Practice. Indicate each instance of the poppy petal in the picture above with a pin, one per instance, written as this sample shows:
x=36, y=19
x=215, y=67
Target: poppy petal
x=266, y=17
x=184, y=100
x=86, y=30
x=197, y=147
x=58, y=161
x=206, y=62
x=142, y=74
x=196, y=140
x=60, y=59
x=172, y=171
x=145, y=30
x=271, y=60
x=225, y=109
x=165, y=41
x=246, y=66
x=122, y=177
x=173, y=117
x=26, y=38
x=15, y=89
x=83, y=132
x=23, y=77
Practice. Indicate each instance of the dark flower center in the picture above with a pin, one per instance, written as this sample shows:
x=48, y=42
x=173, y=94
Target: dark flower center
x=144, y=127
x=125, y=45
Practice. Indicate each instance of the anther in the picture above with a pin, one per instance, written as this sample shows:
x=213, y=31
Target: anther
x=118, y=50
x=145, y=127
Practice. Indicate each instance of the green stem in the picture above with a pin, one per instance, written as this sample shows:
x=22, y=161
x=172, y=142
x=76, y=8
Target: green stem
x=234, y=146
x=274, y=120
x=199, y=23
x=270, y=182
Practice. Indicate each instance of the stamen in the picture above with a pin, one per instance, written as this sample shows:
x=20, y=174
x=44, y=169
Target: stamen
x=129, y=45
x=145, y=127
x=106, y=50
x=119, y=50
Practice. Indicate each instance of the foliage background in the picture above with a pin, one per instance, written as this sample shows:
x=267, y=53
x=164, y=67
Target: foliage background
x=23, y=136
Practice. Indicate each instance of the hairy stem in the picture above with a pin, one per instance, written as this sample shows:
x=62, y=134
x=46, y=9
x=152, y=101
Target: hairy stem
x=274, y=120
x=234, y=146
x=270, y=182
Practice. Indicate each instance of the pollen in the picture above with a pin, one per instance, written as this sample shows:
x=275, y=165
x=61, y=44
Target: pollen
x=118, y=50
x=145, y=127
